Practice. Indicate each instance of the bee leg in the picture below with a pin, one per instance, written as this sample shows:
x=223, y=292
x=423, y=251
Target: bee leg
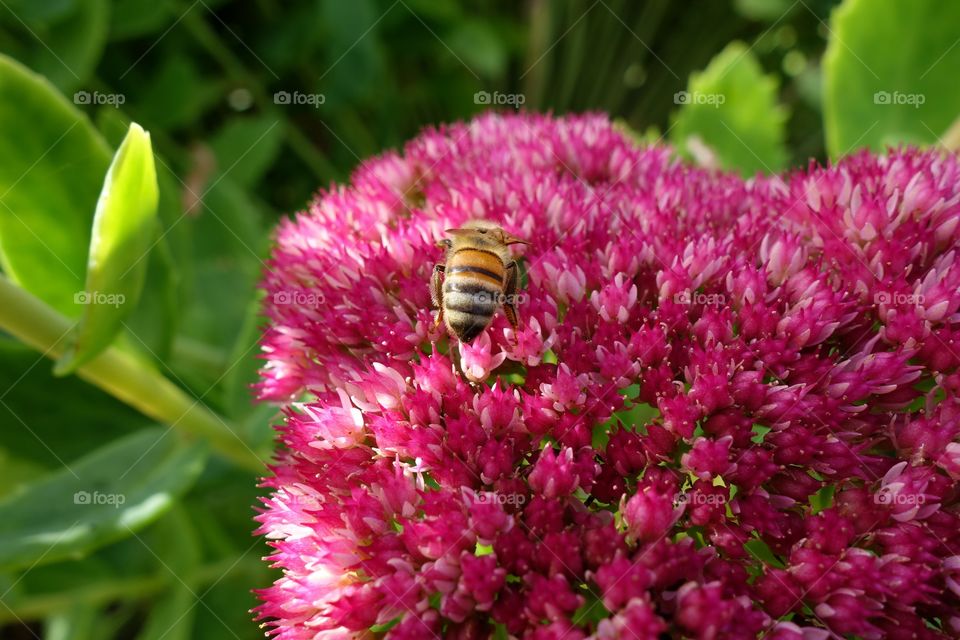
x=510, y=295
x=436, y=293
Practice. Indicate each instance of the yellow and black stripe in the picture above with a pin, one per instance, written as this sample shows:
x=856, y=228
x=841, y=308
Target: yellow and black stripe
x=472, y=288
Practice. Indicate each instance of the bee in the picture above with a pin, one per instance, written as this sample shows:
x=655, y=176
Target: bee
x=479, y=275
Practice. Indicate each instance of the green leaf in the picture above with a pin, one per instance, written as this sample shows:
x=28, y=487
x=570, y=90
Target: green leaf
x=729, y=115
x=123, y=228
x=246, y=147
x=62, y=41
x=133, y=18
x=100, y=498
x=172, y=615
x=890, y=73
x=82, y=418
x=50, y=177
x=76, y=623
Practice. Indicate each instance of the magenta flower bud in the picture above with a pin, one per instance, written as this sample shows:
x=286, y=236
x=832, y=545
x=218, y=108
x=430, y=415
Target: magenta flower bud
x=478, y=360
x=621, y=580
x=648, y=515
x=709, y=458
x=616, y=300
x=554, y=474
x=637, y=620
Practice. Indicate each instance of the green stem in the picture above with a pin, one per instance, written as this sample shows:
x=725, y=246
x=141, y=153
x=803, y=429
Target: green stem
x=122, y=375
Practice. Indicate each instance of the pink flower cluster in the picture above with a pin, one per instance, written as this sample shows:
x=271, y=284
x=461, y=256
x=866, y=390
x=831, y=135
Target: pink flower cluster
x=731, y=409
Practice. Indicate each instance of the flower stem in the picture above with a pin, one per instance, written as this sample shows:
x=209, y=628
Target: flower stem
x=122, y=375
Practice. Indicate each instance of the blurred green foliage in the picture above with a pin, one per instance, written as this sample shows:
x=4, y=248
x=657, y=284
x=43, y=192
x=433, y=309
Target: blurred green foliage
x=252, y=106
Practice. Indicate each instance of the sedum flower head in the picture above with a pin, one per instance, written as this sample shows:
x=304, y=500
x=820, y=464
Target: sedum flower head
x=730, y=409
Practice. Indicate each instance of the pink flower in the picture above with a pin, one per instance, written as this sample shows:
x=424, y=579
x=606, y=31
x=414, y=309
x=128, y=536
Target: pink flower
x=731, y=408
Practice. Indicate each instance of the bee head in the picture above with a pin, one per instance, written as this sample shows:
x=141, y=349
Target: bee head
x=486, y=229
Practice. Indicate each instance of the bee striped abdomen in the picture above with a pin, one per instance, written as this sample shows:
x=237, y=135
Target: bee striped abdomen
x=471, y=291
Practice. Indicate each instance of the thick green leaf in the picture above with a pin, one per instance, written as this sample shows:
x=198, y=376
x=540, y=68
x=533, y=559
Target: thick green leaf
x=730, y=116
x=123, y=230
x=50, y=177
x=890, y=73
x=97, y=499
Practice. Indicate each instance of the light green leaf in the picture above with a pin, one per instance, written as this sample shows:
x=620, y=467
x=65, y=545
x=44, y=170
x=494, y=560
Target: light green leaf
x=123, y=229
x=98, y=499
x=52, y=170
x=890, y=73
x=730, y=117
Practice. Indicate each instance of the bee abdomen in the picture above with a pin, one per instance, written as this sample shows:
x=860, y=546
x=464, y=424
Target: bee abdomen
x=468, y=306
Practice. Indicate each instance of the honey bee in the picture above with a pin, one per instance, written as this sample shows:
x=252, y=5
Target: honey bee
x=479, y=275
